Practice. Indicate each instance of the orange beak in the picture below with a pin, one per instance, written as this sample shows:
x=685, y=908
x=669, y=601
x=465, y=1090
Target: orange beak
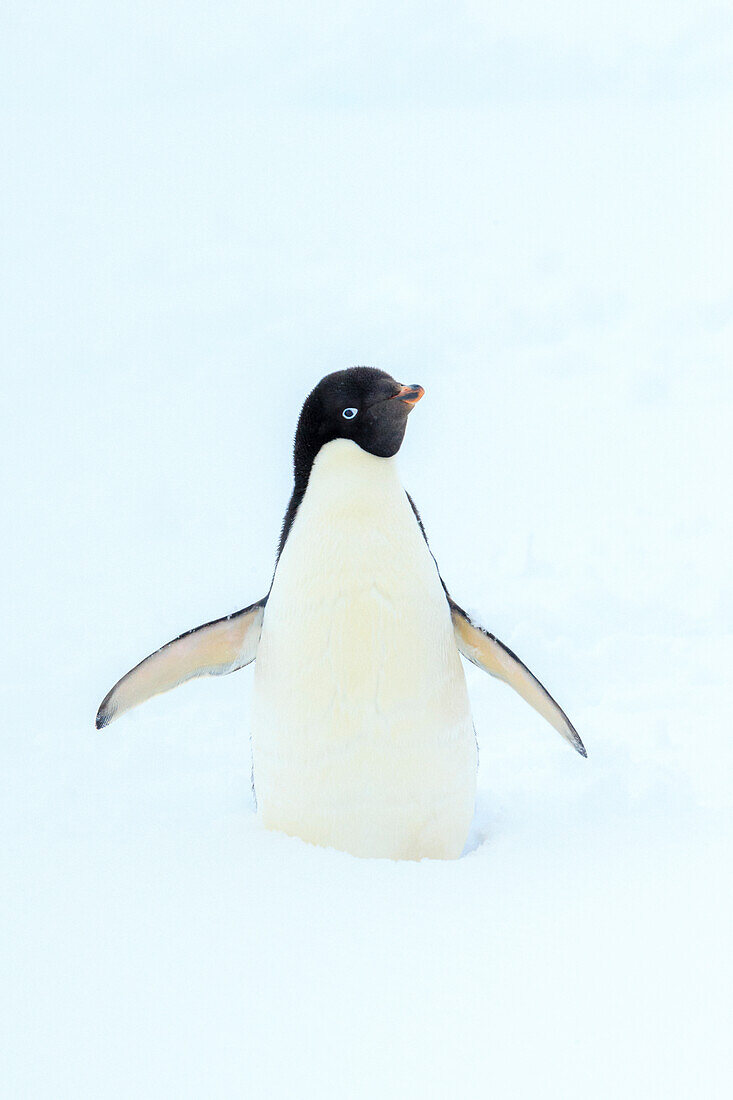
x=410, y=394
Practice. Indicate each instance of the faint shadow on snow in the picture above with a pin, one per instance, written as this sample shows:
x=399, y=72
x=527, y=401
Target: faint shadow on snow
x=483, y=826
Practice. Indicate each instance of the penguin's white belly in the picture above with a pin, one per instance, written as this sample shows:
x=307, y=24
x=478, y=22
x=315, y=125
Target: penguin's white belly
x=362, y=735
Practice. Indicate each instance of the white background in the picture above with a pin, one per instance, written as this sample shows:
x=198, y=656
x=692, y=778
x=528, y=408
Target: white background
x=525, y=208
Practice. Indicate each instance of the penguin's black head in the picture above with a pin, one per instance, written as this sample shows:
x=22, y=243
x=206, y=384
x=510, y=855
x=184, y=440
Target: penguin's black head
x=361, y=404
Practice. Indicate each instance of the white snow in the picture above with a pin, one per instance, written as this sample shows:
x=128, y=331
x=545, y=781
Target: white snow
x=527, y=211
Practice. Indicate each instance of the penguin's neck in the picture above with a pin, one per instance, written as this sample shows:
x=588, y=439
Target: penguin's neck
x=352, y=498
x=354, y=505
x=343, y=475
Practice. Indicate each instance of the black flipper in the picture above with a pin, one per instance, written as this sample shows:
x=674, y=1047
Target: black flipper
x=213, y=649
x=486, y=651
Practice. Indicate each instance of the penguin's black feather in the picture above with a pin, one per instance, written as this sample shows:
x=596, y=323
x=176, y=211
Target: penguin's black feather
x=378, y=427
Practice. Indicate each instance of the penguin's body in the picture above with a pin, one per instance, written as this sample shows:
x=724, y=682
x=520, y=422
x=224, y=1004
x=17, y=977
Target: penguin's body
x=362, y=736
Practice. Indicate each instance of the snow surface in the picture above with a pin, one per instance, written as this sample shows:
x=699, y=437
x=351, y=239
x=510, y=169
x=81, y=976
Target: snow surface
x=526, y=209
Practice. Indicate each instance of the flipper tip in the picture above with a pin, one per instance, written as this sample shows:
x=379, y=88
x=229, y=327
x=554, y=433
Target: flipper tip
x=578, y=745
x=104, y=717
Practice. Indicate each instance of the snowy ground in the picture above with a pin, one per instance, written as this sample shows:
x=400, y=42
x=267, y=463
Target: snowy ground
x=527, y=212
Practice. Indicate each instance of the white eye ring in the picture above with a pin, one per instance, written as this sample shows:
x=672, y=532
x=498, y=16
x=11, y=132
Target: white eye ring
x=349, y=414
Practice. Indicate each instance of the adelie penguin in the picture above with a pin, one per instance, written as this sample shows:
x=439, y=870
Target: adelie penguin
x=362, y=737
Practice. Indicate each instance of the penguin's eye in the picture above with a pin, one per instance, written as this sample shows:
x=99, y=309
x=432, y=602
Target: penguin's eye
x=349, y=414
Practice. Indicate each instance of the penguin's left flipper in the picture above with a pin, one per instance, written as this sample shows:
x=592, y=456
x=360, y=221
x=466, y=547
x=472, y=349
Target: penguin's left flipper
x=213, y=649
x=488, y=653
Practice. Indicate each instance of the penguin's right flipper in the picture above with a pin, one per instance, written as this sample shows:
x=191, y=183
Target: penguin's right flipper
x=213, y=649
x=487, y=652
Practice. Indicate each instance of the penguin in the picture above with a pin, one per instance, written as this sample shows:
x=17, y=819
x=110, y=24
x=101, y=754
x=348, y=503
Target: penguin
x=361, y=728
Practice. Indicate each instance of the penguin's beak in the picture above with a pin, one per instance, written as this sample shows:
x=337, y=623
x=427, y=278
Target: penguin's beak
x=410, y=394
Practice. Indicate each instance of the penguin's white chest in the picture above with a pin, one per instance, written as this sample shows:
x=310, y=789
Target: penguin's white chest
x=362, y=735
